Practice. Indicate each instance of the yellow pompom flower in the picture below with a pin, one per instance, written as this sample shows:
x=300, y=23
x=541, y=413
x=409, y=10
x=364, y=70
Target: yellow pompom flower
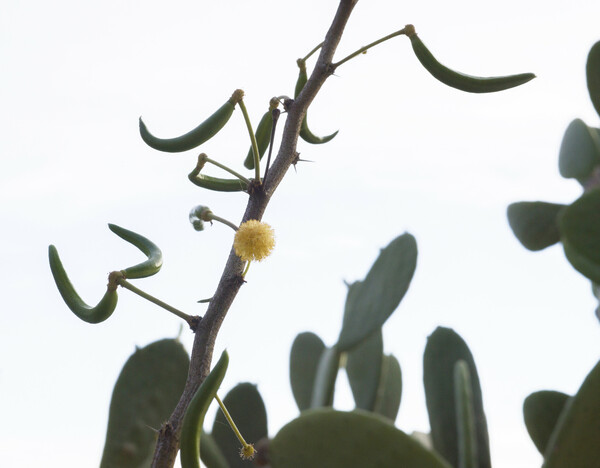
x=254, y=240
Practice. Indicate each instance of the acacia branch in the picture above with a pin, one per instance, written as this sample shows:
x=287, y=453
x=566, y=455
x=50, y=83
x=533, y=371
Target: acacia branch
x=231, y=279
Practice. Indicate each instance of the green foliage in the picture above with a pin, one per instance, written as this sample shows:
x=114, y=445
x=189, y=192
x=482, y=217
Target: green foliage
x=566, y=430
x=538, y=225
x=371, y=301
x=210, y=453
x=246, y=407
x=574, y=440
x=580, y=227
x=363, y=366
x=541, y=411
x=389, y=391
x=304, y=361
x=191, y=432
x=579, y=151
x=443, y=350
x=593, y=75
x=144, y=396
x=465, y=416
x=329, y=438
x=327, y=371
x=535, y=224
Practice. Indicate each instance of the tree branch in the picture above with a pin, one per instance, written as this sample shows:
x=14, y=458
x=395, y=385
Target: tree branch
x=231, y=279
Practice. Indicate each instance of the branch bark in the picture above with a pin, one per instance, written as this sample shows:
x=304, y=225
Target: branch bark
x=231, y=279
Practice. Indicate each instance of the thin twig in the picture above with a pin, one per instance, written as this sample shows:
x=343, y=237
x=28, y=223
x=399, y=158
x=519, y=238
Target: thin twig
x=231, y=279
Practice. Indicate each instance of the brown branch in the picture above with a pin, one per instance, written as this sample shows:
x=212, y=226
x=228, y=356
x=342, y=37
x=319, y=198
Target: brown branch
x=231, y=279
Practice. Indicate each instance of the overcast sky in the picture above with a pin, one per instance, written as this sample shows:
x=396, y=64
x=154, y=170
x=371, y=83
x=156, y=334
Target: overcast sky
x=411, y=155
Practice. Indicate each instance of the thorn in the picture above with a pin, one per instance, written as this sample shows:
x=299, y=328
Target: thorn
x=297, y=160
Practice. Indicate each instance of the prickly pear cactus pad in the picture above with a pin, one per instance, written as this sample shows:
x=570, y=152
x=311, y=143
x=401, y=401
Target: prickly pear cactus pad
x=443, y=350
x=336, y=439
x=370, y=302
x=574, y=441
x=304, y=360
x=247, y=409
x=541, y=411
x=144, y=396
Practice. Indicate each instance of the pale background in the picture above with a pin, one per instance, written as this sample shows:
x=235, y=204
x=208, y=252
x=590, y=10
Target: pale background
x=412, y=155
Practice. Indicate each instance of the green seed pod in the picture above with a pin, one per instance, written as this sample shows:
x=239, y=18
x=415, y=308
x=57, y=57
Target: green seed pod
x=263, y=134
x=194, y=416
x=97, y=314
x=470, y=84
x=148, y=267
x=203, y=132
x=218, y=185
x=305, y=132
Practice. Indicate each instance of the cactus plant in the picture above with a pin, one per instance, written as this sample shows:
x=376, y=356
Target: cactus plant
x=538, y=225
x=160, y=387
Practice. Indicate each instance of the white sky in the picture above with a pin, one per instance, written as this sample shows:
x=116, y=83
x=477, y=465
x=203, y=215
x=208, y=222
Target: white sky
x=411, y=155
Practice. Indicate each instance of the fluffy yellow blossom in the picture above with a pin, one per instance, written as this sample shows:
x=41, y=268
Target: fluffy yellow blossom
x=254, y=240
